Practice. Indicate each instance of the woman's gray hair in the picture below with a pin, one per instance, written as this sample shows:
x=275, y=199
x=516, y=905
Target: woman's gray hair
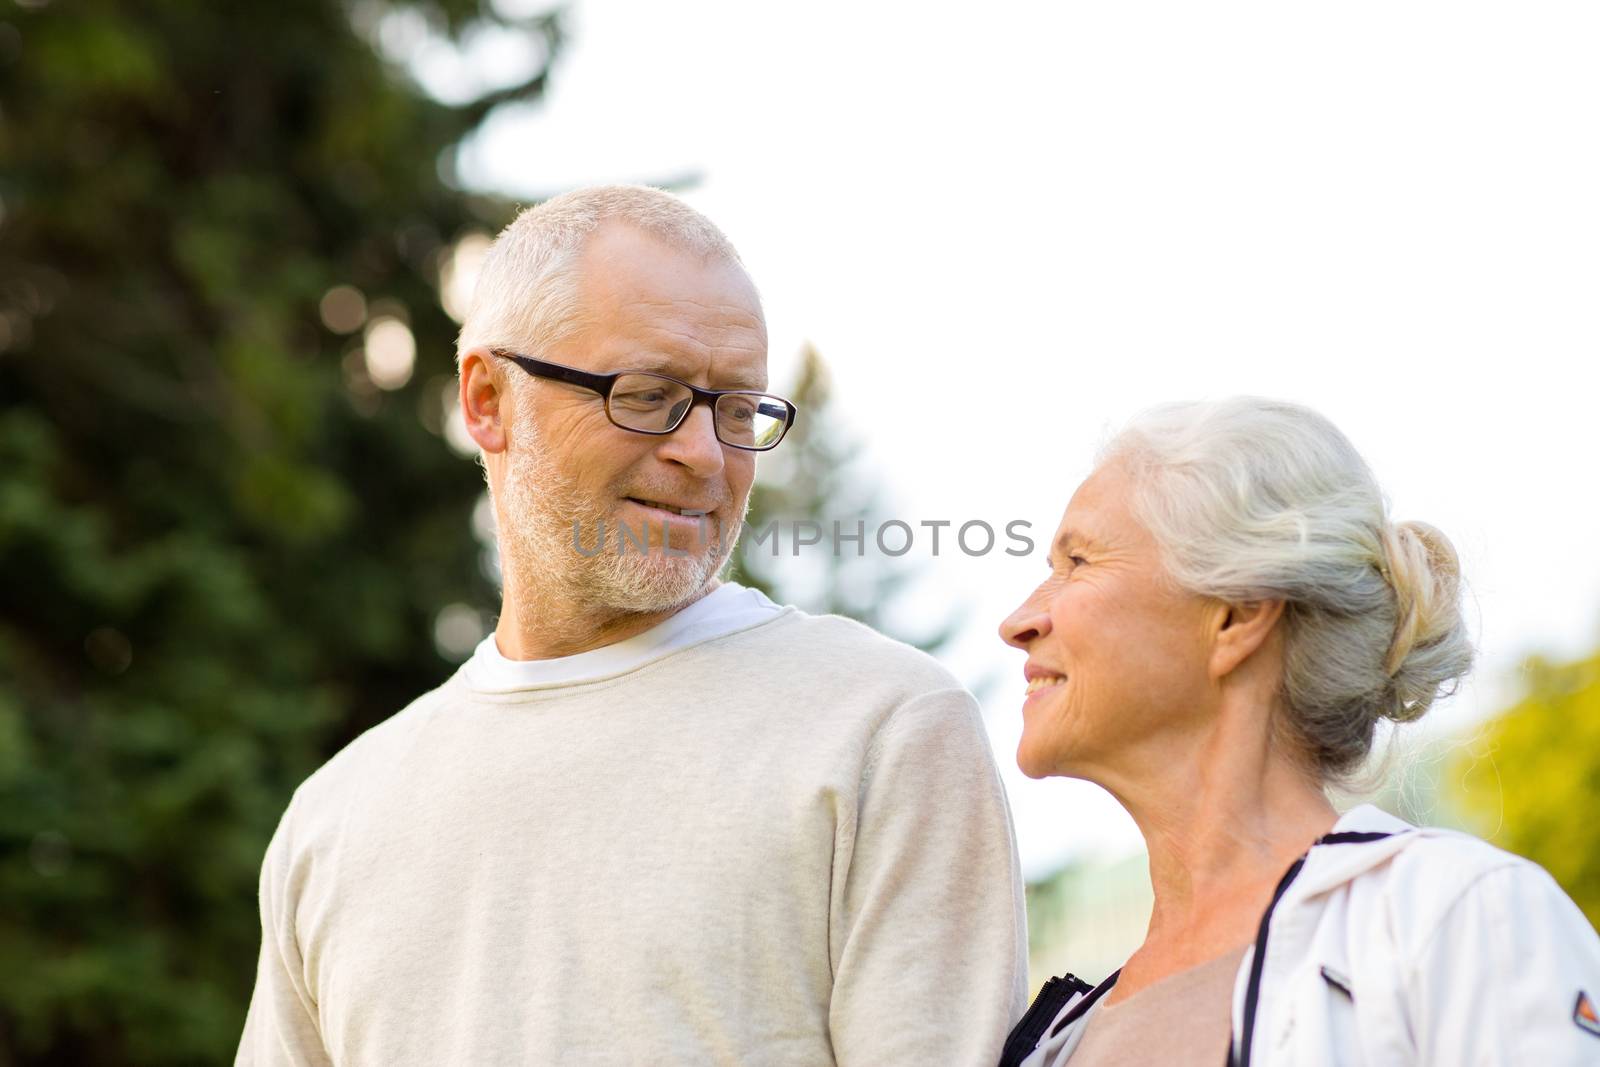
x=1252, y=499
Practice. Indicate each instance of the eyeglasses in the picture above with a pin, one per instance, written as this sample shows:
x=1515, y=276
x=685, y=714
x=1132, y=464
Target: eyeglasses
x=645, y=402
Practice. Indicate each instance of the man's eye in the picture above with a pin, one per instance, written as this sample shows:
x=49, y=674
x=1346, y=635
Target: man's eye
x=642, y=397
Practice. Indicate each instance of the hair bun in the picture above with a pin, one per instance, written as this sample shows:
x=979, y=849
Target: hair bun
x=1429, y=650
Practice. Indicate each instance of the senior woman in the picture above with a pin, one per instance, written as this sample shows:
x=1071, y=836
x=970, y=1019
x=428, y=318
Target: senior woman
x=1229, y=615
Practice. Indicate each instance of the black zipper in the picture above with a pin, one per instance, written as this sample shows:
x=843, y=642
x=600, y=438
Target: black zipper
x=1025, y=1036
x=1086, y=1003
x=1258, y=962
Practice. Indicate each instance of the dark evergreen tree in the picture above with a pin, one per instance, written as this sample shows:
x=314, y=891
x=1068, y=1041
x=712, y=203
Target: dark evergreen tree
x=223, y=547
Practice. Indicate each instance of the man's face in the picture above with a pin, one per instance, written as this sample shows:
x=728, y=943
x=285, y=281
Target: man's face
x=644, y=305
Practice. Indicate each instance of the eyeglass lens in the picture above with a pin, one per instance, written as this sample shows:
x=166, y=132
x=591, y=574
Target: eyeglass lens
x=652, y=404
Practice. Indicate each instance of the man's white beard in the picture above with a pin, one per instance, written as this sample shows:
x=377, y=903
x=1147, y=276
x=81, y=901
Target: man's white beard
x=539, y=507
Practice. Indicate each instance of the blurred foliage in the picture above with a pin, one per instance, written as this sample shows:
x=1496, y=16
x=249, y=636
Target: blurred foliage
x=222, y=547
x=1533, y=784
x=815, y=477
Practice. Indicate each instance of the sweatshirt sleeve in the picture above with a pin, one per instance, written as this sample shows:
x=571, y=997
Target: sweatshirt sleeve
x=928, y=938
x=280, y=1029
x=1500, y=979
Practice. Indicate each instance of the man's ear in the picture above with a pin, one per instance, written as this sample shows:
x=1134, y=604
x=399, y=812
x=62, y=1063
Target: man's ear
x=1241, y=630
x=483, y=399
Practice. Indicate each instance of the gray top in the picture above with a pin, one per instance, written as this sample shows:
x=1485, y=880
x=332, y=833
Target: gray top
x=1184, y=1018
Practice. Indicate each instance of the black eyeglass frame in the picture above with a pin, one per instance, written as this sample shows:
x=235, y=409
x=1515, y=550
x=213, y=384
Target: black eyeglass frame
x=604, y=383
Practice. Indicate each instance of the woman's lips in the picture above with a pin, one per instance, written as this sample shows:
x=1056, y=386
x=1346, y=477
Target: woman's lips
x=1045, y=681
x=1042, y=683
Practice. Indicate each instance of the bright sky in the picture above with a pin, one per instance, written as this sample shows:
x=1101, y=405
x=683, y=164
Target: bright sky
x=1008, y=228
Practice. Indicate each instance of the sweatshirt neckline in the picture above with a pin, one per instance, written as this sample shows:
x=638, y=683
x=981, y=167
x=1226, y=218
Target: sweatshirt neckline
x=489, y=675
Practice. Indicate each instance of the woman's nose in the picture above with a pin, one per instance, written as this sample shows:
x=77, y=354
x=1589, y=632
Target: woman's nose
x=1027, y=624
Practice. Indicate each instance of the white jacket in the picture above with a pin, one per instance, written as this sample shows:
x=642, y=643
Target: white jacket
x=1386, y=945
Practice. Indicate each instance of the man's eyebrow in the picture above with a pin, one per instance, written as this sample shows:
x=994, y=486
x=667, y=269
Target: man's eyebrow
x=647, y=361
x=659, y=364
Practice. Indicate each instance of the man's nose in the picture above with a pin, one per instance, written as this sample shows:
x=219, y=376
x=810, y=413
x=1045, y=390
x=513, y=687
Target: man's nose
x=694, y=443
x=1027, y=624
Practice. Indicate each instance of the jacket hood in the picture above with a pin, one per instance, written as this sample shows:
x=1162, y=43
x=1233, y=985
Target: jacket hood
x=1333, y=863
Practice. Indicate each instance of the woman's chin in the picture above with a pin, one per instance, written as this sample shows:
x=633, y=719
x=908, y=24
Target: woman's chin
x=1055, y=758
x=1035, y=763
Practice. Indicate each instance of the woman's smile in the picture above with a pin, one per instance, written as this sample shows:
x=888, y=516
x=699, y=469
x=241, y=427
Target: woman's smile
x=1044, y=681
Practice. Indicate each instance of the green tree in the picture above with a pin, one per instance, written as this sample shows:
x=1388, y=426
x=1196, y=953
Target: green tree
x=225, y=533
x=1532, y=784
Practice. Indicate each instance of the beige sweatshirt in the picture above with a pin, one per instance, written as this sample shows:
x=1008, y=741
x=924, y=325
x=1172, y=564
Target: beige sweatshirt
x=784, y=845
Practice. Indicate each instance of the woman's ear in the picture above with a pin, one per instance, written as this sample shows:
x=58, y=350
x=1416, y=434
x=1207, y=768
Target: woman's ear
x=482, y=401
x=1241, y=631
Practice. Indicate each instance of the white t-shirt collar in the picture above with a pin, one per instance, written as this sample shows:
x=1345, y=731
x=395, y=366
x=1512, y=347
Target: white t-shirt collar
x=727, y=608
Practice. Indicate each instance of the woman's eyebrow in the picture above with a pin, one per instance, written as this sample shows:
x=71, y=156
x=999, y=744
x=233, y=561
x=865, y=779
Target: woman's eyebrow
x=1067, y=539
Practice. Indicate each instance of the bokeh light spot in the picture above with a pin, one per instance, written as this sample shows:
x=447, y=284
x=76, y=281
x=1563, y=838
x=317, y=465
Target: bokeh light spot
x=343, y=309
x=458, y=277
x=457, y=630
x=391, y=352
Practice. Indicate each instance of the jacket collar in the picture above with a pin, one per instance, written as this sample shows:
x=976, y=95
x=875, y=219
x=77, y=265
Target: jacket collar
x=1333, y=862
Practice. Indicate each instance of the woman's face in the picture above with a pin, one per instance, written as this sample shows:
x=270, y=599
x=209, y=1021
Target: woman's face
x=1117, y=655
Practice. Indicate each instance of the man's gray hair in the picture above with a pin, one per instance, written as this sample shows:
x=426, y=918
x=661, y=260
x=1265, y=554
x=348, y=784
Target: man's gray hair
x=527, y=289
x=1253, y=499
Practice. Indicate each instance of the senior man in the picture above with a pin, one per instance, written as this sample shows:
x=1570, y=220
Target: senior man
x=656, y=818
